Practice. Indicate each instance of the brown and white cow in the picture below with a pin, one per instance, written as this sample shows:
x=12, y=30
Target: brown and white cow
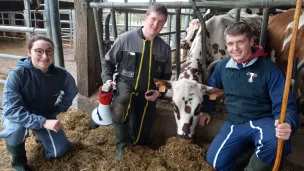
x=278, y=44
x=215, y=39
x=188, y=92
x=279, y=35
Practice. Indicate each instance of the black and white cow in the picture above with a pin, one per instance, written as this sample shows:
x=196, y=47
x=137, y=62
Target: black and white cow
x=215, y=39
x=188, y=92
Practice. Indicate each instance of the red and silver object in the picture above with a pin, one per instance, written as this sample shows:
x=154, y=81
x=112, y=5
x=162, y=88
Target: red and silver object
x=102, y=115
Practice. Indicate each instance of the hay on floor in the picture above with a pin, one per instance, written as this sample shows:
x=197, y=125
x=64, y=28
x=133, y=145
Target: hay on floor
x=94, y=150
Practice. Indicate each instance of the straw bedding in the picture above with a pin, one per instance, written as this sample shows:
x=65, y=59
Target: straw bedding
x=94, y=150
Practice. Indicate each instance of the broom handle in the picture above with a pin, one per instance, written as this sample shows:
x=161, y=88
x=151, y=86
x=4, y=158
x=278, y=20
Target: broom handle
x=287, y=82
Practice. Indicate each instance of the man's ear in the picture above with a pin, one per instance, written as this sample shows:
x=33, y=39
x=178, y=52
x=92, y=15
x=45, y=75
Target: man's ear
x=159, y=83
x=28, y=52
x=251, y=41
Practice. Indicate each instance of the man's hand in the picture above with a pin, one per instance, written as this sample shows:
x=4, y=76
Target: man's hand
x=152, y=95
x=204, y=119
x=283, y=130
x=111, y=82
x=54, y=125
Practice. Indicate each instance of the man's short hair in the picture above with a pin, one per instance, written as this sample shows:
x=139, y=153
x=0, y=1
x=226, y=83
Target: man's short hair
x=239, y=28
x=158, y=8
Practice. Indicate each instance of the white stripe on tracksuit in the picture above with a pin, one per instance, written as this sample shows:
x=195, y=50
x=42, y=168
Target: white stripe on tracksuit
x=25, y=134
x=218, y=151
x=53, y=144
x=261, y=137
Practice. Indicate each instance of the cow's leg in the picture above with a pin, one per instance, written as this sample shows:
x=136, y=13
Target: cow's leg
x=120, y=117
x=263, y=134
x=227, y=146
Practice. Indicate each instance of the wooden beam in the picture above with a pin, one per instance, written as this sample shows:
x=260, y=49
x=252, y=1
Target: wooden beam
x=86, y=51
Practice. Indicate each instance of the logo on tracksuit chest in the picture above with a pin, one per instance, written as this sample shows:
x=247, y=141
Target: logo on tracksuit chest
x=251, y=76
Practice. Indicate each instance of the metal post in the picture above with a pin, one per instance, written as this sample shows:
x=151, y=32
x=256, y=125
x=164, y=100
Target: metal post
x=177, y=40
x=74, y=25
x=126, y=24
x=114, y=28
x=35, y=19
x=27, y=16
x=169, y=29
x=174, y=28
x=237, y=15
x=56, y=32
x=97, y=26
x=186, y=20
x=130, y=19
x=107, y=27
x=3, y=23
x=263, y=35
x=71, y=27
x=47, y=19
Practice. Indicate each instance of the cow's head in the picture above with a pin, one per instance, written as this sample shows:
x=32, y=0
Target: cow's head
x=192, y=30
x=187, y=102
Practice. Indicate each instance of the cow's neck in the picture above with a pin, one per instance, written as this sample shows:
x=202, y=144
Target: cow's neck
x=194, y=58
x=193, y=70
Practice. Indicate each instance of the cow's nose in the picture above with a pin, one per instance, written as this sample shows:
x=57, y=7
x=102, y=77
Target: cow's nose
x=188, y=109
x=186, y=138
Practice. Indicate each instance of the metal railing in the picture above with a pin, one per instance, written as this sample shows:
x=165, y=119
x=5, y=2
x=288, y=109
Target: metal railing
x=38, y=21
x=12, y=18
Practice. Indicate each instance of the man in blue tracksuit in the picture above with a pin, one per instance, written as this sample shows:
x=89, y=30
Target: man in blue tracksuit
x=254, y=89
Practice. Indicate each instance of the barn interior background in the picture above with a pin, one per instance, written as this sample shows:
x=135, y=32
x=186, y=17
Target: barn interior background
x=82, y=34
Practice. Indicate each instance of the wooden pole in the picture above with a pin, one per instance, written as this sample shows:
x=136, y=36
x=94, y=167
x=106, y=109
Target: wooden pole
x=287, y=82
x=86, y=51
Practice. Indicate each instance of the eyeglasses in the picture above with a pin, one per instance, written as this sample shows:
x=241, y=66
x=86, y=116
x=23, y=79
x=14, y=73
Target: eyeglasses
x=40, y=52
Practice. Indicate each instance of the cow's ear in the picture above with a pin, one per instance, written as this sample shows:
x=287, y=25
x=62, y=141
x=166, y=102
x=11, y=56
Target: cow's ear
x=165, y=83
x=212, y=92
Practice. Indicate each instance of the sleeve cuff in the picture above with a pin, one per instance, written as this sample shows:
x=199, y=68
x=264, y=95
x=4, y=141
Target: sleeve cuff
x=42, y=122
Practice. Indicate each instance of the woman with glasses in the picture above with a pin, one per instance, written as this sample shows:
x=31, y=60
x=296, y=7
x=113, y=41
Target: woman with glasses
x=36, y=91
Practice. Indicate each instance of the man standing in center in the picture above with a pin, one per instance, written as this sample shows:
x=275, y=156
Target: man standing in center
x=139, y=56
